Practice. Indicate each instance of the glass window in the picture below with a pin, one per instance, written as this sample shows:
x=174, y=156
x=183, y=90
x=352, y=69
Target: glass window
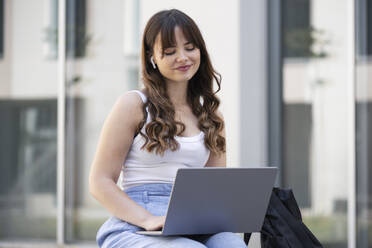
x=94, y=82
x=1, y=28
x=28, y=126
x=77, y=38
x=313, y=90
x=363, y=107
x=296, y=28
x=364, y=27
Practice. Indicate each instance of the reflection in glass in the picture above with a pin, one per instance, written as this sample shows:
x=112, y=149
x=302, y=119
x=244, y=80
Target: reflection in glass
x=95, y=79
x=363, y=122
x=1, y=28
x=28, y=114
x=314, y=120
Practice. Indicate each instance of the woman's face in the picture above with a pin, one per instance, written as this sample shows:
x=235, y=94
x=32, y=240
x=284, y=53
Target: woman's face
x=179, y=63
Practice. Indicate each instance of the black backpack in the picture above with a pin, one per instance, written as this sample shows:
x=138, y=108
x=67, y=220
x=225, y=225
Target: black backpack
x=283, y=226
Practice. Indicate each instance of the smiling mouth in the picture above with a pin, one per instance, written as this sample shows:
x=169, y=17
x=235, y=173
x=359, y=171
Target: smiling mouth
x=183, y=68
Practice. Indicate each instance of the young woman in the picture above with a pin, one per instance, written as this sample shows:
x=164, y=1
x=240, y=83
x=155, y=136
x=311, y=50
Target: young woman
x=172, y=123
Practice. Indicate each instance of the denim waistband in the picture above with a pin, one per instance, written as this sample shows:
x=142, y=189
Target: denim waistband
x=152, y=188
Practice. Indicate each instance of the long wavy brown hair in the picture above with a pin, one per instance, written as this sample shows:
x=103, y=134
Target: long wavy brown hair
x=162, y=129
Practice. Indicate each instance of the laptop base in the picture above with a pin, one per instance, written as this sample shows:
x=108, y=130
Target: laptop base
x=150, y=233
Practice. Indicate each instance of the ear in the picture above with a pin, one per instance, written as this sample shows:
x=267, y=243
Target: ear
x=149, y=54
x=153, y=57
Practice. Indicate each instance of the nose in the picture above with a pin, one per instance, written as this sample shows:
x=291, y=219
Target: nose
x=181, y=56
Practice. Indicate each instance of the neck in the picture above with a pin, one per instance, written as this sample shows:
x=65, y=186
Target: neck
x=177, y=93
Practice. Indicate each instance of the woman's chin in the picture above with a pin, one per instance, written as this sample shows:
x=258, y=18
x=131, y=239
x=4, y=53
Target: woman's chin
x=180, y=79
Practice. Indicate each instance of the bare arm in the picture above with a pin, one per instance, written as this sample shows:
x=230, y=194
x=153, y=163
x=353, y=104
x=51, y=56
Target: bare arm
x=114, y=142
x=217, y=160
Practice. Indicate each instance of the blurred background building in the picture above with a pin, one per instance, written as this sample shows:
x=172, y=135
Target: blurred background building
x=295, y=94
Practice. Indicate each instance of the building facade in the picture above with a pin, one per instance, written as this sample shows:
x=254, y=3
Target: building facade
x=295, y=94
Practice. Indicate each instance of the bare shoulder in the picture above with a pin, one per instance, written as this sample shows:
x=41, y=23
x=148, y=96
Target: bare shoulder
x=130, y=99
x=128, y=106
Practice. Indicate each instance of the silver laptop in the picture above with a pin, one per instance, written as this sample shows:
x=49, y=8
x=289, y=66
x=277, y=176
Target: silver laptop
x=214, y=199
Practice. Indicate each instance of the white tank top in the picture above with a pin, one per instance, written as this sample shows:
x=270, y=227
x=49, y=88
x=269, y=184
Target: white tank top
x=141, y=166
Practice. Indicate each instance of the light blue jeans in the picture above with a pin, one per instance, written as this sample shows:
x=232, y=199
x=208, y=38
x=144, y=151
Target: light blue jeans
x=115, y=233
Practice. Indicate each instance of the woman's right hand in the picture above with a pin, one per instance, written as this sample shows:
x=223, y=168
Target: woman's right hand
x=154, y=223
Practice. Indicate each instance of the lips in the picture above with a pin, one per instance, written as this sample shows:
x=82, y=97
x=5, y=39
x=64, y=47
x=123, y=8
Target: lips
x=183, y=68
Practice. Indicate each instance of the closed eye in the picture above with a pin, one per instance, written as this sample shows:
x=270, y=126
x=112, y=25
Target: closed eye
x=188, y=47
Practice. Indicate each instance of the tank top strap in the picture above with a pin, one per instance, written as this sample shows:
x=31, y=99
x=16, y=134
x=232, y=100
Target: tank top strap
x=144, y=99
x=143, y=96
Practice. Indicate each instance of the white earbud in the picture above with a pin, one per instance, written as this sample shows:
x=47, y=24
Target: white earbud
x=152, y=62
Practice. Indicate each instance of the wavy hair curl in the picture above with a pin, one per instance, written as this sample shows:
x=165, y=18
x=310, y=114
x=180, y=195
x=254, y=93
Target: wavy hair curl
x=162, y=129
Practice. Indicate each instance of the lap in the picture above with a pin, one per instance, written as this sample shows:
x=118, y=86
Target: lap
x=116, y=233
x=133, y=240
x=224, y=239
